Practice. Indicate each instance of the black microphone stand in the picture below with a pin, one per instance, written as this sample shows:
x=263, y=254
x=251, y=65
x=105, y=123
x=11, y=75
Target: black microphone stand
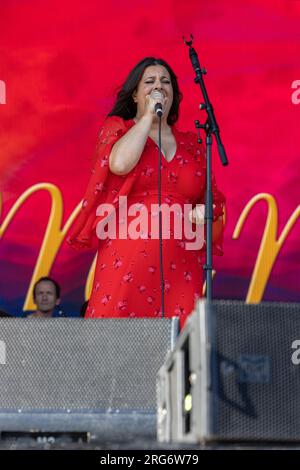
x=211, y=128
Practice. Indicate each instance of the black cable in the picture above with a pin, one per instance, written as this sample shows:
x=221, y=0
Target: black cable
x=162, y=282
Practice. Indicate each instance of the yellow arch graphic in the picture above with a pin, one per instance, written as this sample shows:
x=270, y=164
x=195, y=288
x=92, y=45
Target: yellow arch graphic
x=270, y=245
x=53, y=236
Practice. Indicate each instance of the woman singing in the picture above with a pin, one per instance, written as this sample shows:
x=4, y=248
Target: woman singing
x=127, y=280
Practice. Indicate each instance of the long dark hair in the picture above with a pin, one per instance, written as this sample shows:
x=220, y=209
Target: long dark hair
x=126, y=108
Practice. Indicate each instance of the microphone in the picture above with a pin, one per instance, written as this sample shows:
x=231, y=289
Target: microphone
x=158, y=107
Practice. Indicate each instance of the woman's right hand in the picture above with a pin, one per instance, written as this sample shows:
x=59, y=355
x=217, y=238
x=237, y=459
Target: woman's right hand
x=151, y=100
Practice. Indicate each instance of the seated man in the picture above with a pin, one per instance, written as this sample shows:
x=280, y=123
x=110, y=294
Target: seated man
x=46, y=295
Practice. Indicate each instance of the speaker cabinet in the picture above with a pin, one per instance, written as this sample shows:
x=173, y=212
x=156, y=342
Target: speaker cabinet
x=69, y=374
x=234, y=375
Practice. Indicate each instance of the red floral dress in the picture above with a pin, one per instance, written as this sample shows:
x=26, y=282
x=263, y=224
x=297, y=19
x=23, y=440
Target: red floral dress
x=127, y=276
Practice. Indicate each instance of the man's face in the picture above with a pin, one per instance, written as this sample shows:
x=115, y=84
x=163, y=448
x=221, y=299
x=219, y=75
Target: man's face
x=45, y=296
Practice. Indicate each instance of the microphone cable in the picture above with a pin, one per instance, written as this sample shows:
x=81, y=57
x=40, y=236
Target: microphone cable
x=162, y=282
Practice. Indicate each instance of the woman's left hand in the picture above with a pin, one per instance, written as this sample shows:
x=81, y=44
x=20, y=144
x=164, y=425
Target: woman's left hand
x=196, y=215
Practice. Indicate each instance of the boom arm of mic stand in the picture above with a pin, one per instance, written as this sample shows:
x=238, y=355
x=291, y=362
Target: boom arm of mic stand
x=207, y=105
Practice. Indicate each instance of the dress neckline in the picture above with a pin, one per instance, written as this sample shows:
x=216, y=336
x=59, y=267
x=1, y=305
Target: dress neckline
x=156, y=145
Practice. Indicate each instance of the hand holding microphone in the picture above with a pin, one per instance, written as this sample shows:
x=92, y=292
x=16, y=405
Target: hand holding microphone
x=155, y=102
x=157, y=95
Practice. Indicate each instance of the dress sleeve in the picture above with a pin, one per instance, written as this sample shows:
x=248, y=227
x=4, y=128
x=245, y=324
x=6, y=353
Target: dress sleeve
x=219, y=199
x=83, y=234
